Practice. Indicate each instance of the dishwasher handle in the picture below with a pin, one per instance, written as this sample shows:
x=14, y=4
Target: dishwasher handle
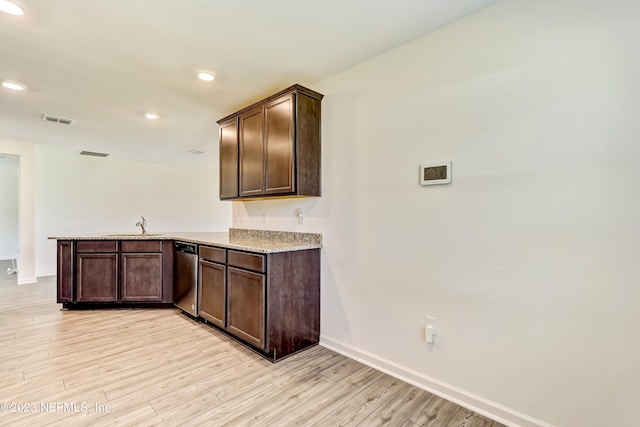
x=188, y=248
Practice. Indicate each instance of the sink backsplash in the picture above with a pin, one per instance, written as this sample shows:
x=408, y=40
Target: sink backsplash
x=283, y=236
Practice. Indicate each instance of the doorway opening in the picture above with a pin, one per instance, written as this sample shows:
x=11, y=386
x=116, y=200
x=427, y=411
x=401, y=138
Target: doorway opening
x=9, y=217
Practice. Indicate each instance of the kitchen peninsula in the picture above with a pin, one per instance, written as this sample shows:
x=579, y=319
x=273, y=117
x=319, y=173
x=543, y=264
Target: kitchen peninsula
x=262, y=287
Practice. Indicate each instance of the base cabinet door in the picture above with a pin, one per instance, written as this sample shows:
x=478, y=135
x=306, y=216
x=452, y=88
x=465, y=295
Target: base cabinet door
x=97, y=277
x=246, y=306
x=141, y=277
x=212, y=302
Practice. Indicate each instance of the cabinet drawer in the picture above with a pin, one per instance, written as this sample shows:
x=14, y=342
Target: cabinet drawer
x=218, y=255
x=247, y=261
x=141, y=246
x=91, y=246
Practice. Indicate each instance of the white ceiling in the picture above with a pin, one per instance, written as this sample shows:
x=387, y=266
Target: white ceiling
x=105, y=63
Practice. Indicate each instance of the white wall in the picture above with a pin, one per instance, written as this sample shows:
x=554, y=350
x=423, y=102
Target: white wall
x=9, y=196
x=79, y=194
x=529, y=259
x=26, y=209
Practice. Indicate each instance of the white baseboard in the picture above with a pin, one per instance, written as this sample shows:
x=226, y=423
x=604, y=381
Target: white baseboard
x=27, y=280
x=486, y=407
x=46, y=274
x=7, y=257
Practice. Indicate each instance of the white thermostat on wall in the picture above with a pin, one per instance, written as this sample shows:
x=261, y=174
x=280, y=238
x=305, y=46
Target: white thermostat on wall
x=434, y=173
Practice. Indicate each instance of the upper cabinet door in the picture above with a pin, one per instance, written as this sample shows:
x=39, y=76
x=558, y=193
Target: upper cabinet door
x=279, y=145
x=251, y=153
x=229, y=159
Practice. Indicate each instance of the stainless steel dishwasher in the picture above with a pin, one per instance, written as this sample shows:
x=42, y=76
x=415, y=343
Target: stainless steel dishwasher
x=185, y=288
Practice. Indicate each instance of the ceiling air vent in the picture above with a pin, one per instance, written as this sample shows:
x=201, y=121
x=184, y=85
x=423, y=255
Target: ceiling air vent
x=93, y=153
x=56, y=119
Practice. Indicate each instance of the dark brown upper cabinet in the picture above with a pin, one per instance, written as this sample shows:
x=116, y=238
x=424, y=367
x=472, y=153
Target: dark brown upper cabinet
x=273, y=147
x=229, y=159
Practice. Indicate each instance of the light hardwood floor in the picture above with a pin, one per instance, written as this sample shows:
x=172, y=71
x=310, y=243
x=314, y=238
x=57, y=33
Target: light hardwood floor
x=158, y=367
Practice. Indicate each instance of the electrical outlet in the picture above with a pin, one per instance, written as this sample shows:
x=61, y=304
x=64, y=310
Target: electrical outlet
x=265, y=217
x=429, y=329
x=300, y=213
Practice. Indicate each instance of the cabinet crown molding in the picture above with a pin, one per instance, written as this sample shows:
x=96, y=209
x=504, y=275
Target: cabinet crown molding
x=296, y=88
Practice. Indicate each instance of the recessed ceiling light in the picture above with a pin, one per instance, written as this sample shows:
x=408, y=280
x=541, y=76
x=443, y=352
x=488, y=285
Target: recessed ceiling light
x=152, y=116
x=11, y=8
x=13, y=85
x=206, y=76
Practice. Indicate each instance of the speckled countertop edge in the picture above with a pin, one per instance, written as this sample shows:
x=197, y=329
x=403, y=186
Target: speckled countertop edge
x=262, y=241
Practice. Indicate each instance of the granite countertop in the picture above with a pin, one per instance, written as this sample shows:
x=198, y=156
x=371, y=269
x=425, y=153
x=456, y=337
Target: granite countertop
x=263, y=241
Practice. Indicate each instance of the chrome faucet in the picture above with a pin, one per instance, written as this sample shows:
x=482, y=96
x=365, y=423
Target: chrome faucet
x=142, y=224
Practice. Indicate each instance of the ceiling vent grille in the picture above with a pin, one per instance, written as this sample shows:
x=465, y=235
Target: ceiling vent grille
x=93, y=153
x=55, y=119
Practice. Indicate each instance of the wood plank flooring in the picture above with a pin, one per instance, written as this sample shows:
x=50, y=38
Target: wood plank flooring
x=157, y=367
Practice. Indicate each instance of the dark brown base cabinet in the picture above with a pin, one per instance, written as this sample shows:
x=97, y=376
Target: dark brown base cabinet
x=115, y=272
x=269, y=301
